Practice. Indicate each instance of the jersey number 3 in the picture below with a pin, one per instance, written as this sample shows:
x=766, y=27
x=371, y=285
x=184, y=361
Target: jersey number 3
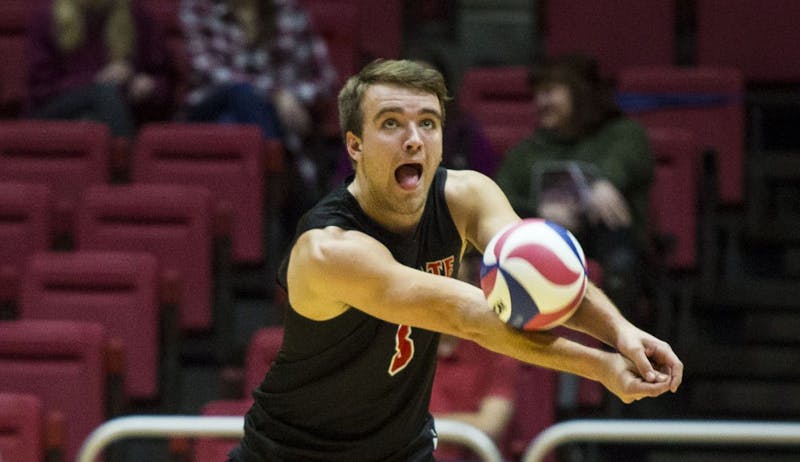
x=403, y=349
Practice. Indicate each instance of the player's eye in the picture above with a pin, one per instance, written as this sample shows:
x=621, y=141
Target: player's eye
x=390, y=123
x=428, y=123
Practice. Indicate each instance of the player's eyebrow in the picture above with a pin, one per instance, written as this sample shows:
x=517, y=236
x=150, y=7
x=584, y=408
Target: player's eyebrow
x=399, y=110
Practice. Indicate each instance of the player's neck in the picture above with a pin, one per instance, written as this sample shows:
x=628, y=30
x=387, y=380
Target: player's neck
x=382, y=213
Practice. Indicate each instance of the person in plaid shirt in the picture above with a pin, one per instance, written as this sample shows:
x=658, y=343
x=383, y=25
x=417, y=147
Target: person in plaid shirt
x=260, y=62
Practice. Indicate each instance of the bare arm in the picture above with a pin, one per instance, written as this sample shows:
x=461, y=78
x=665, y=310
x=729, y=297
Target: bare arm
x=654, y=358
x=331, y=270
x=475, y=197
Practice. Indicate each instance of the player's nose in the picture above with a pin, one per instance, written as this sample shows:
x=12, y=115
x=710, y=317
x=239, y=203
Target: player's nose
x=413, y=140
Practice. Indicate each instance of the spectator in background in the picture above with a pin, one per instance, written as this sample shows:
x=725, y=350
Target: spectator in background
x=587, y=167
x=102, y=60
x=260, y=62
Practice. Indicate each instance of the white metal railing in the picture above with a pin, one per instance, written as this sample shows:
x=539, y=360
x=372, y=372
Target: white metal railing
x=143, y=426
x=663, y=432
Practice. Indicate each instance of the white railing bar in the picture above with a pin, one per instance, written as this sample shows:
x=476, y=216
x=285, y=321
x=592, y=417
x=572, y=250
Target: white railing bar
x=464, y=434
x=662, y=432
x=144, y=426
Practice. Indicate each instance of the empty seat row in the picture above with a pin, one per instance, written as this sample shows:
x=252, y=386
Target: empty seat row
x=634, y=33
x=69, y=369
x=124, y=292
x=233, y=161
x=171, y=222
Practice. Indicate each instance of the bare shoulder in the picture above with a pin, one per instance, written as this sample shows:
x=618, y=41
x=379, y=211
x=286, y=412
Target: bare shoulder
x=326, y=263
x=478, y=206
x=464, y=190
x=462, y=183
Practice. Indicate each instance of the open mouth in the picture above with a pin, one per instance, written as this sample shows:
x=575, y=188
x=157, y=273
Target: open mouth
x=408, y=175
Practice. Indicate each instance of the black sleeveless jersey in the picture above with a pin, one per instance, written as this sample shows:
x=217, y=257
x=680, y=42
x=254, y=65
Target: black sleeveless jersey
x=355, y=388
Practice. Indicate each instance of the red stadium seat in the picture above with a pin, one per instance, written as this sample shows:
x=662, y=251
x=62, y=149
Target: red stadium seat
x=764, y=34
x=170, y=221
x=25, y=227
x=13, y=59
x=13, y=87
x=619, y=33
x=63, y=364
x=229, y=160
x=385, y=22
x=16, y=15
x=501, y=99
x=67, y=156
x=335, y=21
x=535, y=406
x=261, y=352
x=217, y=449
x=708, y=101
x=674, y=195
x=117, y=289
x=338, y=23
x=22, y=424
x=675, y=224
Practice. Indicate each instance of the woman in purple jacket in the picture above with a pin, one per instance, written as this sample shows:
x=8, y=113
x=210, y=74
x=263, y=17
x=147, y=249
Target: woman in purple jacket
x=102, y=60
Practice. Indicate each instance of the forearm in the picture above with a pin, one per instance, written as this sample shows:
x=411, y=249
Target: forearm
x=544, y=349
x=456, y=308
x=598, y=316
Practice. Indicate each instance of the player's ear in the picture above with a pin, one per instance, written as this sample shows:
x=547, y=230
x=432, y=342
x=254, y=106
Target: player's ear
x=353, y=144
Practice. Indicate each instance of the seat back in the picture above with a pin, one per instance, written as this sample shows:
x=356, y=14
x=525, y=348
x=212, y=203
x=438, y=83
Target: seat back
x=535, y=406
x=337, y=22
x=62, y=363
x=22, y=424
x=502, y=101
x=216, y=449
x=263, y=350
x=385, y=22
x=67, y=156
x=226, y=159
x=764, y=33
x=13, y=59
x=116, y=289
x=674, y=195
x=169, y=221
x=25, y=227
x=619, y=33
x=709, y=101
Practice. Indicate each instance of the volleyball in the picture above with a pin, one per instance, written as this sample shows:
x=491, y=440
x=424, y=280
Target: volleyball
x=533, y=274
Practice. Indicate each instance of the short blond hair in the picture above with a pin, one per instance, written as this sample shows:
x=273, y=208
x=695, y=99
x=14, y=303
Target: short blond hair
x=405, y=73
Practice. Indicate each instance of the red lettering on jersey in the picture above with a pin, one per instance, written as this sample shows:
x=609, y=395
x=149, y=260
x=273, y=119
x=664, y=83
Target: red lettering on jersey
x=443, y=267
x=448, y=263
x=404, y=349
